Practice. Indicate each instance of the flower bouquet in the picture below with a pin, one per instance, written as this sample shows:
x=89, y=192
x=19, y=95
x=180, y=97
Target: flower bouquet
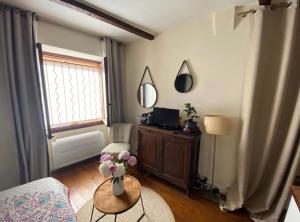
x=116, y=167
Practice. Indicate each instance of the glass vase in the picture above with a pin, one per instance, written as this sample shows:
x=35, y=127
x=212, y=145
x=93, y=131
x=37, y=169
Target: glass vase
x=117, y=186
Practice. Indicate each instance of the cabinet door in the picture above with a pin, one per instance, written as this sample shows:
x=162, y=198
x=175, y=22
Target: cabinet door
x=148, y=151
x=175, y=161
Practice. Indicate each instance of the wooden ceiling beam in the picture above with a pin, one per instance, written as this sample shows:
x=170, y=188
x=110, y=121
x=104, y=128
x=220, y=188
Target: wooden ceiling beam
x=264, y=2
x=104, y=17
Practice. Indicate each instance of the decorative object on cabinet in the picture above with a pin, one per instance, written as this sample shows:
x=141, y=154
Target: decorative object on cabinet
x=147, y=93
x=184, y=81
x=190, y=125
x=170, y=156
x=146, y=118
x=216, y=125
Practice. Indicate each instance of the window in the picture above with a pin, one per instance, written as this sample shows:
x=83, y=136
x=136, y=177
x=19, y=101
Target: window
x=74, y=92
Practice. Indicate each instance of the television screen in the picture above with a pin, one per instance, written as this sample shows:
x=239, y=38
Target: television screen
x=168, y=118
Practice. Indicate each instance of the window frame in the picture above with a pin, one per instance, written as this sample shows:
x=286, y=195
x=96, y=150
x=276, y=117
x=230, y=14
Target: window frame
x=55, y=128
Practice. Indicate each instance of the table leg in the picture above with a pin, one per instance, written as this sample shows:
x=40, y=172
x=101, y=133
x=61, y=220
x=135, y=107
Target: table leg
x=115, y=217
x=92, y=213
x=142, y=204
x=143, y=214
x=100, y=217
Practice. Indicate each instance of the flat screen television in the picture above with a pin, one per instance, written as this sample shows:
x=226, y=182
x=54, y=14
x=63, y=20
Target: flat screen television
x=166, y=118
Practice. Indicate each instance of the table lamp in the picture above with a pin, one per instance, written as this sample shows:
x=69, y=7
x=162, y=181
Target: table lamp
x=216, y=125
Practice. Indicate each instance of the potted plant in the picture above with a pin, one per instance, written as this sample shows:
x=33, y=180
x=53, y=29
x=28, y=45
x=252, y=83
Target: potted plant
x=116, y=167
x=190, y=125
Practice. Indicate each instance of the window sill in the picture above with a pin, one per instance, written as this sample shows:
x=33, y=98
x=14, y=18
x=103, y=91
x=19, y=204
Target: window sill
x=67, y=127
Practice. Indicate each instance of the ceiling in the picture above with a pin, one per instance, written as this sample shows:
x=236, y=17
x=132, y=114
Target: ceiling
x=153, y=16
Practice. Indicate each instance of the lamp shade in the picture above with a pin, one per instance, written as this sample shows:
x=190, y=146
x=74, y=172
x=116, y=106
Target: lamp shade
x=217, y=125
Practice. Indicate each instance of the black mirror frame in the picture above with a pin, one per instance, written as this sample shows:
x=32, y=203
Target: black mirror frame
x=179, y=73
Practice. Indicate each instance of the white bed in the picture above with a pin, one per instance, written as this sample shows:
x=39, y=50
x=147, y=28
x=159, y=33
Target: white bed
x=41, y=200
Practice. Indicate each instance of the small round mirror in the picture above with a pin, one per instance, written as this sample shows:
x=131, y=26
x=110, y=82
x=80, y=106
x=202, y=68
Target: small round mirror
x=183, y=83
x=147, y=95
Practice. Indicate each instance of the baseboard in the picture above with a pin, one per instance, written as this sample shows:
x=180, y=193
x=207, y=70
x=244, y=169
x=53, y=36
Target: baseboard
x=82, y=162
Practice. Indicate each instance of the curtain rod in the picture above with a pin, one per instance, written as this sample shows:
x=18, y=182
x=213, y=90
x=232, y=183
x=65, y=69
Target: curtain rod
x=272, y=6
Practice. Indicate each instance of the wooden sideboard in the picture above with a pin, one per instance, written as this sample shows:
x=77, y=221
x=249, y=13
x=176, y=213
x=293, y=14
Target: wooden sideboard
x=170, y=156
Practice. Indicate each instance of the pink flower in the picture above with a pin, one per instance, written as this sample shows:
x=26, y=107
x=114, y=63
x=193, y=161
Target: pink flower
x=104, y=168
x=105, y=157
x=124, y=155
x=132, y=161
x=112, y=168
x=121, y=170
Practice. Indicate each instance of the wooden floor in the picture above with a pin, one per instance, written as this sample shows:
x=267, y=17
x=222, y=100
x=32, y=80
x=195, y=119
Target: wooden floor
x=83, y=178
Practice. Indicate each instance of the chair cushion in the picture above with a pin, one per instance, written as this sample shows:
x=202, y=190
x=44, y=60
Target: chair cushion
x=120, y=132
x=115, y=148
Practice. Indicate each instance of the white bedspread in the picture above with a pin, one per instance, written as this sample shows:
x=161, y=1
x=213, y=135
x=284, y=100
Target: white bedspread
x=41, y=200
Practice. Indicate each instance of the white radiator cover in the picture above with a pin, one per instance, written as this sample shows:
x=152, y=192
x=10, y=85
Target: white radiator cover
x=75, y=148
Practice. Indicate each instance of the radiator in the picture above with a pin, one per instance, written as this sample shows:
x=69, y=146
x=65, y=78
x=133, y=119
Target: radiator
x=73, y=149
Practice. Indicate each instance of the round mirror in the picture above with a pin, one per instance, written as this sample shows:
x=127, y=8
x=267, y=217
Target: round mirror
x=183, y=83
x=147, y=95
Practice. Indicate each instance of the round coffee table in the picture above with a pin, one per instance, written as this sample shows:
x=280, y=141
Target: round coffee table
x=107, y=203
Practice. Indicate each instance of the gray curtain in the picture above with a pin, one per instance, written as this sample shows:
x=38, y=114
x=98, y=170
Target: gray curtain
x=113, y=52
x=269, y=150
x=18, y=65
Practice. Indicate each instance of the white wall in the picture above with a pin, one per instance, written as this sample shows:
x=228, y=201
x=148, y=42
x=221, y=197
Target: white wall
x=217, y=62
x=67, y=38
x=9, y=173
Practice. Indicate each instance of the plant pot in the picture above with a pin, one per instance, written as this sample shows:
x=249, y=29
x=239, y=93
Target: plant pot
x=191, y=127
x=117, y=186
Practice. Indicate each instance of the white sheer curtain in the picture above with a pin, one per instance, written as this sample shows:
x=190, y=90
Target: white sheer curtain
x=269, y=150
x=74, y=92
